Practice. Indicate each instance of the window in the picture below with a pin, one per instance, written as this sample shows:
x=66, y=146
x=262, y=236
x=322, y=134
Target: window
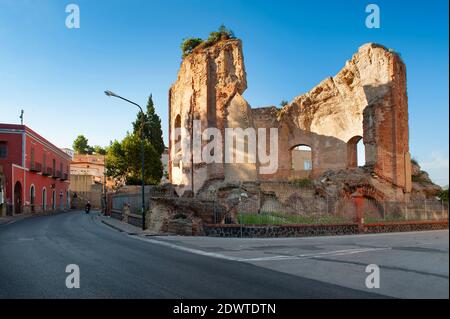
x=32, y=157
x=307, y=165
x=356, y=152
x=301, y=158
x=3, y=149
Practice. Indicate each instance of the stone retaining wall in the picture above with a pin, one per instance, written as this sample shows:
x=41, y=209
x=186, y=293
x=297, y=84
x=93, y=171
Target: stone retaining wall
x=185, y=227
x=135, y=220
x=116, y=214
x=279, y=231
x=405, y=226
x=218, y=230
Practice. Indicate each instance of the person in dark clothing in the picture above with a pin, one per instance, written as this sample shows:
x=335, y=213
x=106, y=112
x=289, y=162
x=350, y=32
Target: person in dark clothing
x=88, y=207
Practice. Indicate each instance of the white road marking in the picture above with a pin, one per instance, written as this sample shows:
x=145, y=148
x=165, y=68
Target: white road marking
x=190, y=250
x=272, y=258
x=319, y=255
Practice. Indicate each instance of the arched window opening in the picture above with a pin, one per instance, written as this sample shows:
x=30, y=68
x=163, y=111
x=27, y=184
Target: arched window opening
x=54, y=200
x=356, y=152
x=32, y=198
x=361, y=153
x=301, y=161
x=177, y=140
x=17, y=198
x=44, y=199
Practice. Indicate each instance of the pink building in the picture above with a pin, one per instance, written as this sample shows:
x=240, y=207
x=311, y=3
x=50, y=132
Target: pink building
x=36, y=172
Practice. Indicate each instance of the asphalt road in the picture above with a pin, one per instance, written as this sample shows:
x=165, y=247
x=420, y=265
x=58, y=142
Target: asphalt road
x=34, y=253
x=411, y=264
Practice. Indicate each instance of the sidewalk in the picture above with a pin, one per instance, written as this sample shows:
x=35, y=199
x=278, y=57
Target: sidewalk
x=124, y=227
x=5, y=220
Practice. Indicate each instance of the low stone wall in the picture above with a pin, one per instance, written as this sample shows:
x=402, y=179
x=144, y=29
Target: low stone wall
x=135, y=220
x=222, y=230
x=218, y=230
x=116, y=214
x=393, y=227
x=127, y=217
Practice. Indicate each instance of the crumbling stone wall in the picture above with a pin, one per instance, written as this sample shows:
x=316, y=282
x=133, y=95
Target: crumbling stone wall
x=366, y=100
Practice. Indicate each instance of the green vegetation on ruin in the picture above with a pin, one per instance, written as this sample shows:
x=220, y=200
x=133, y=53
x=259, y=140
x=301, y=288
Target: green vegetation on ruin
x=188, y=45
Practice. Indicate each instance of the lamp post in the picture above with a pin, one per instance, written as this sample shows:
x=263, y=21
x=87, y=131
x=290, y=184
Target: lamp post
x=112, y=94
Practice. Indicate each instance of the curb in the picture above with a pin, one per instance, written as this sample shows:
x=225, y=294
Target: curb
x=113, y=227
x=131, y=233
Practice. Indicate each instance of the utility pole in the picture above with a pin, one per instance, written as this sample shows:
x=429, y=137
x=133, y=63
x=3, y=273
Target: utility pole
x=21, y=117
x=112, y=94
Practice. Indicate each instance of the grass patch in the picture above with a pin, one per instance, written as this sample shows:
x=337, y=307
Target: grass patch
x=302, y=182
x=286, y=219
x=370, y=220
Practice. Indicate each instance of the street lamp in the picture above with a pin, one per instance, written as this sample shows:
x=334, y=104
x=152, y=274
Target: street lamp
x=112, y=94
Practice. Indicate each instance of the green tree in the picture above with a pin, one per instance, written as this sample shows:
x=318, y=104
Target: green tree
x=123, y=161
x=284, y=103
x=152, y=127
x=443, y=196
x=116, y=162
x=81, y=146
x=99, y=150
x=223, y=33
x=189, y=45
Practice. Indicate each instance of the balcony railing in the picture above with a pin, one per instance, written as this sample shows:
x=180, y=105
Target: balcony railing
x=65, y=177
x=35, y=167
x=57, y=174
x=47, y=171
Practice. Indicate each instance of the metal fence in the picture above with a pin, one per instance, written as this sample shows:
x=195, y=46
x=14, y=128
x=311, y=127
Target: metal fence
x=330, y=210
x=134, y=200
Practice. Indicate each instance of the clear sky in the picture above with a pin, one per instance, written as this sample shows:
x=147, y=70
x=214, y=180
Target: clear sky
x=58, y=75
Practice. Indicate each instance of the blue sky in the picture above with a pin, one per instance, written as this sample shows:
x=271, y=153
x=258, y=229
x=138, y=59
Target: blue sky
x=58, y=75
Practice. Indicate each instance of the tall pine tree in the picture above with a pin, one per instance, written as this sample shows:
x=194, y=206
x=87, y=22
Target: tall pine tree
x=152, y=127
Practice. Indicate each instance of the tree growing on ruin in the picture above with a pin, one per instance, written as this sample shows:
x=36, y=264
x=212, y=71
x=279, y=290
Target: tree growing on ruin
x=443, y=195
x=223, y=33
x=283, y=103
x=188, y=45
x=151, y=127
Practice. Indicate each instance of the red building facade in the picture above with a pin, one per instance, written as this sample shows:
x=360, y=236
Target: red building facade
x=36, y=172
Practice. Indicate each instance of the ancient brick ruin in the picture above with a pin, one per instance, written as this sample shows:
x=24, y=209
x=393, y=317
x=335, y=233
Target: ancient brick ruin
x=366, y=100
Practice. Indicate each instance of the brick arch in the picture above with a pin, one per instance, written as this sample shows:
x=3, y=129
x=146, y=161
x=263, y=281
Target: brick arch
x=18, y=197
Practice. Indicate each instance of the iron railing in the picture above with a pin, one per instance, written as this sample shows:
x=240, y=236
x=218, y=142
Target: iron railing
x=35, y=167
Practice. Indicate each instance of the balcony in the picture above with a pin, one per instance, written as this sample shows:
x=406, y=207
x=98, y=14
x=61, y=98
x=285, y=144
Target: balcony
x=35, y=167
x=64, y=177
x=47, y=172
x=56, y=174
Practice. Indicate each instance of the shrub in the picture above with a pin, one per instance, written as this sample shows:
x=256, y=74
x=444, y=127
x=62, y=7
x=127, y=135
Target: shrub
x=443, y=196
x=302, y=182
x=189, y=45
x=284, y=103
